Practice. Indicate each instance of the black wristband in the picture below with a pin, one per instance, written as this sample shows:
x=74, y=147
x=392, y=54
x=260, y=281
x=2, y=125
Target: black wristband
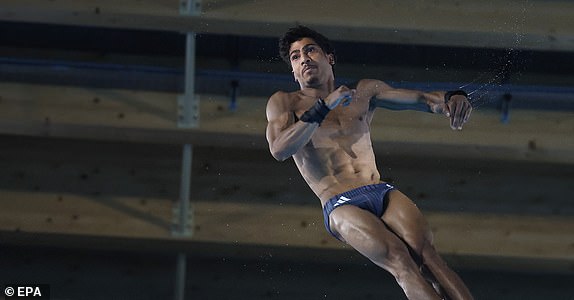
x=452, y=93
x=317, y=113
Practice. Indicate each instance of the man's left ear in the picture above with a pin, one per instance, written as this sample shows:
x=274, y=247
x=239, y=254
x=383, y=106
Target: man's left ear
x=331, y=59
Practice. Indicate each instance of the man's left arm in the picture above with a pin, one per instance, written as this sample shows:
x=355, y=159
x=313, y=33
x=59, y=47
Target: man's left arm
x=453, y=104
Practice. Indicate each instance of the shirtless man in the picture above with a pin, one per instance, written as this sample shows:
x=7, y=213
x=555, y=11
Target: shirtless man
x=326, y=129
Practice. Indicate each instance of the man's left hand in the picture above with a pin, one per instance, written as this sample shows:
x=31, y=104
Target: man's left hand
x=458, y=109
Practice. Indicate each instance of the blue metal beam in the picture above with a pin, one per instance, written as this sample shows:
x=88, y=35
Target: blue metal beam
x=207, y=81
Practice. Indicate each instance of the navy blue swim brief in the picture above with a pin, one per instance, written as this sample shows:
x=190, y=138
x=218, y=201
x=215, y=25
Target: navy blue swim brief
x=368, y=197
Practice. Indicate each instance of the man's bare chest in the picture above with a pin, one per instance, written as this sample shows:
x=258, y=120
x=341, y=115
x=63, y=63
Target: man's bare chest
x=342, y=116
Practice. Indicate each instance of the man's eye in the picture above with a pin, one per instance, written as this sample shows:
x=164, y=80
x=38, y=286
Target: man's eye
x=313, y=49
x=294, y=57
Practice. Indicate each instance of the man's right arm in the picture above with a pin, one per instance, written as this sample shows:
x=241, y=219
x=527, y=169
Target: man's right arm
x=284, y=135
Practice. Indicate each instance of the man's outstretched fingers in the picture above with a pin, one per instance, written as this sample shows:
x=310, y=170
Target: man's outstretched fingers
x=467, y=114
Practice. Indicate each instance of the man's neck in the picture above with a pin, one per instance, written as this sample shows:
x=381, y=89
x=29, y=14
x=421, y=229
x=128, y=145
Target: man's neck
x=319, y=91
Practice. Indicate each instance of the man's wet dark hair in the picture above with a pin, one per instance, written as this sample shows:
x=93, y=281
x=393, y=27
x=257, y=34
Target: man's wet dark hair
x=297, y=33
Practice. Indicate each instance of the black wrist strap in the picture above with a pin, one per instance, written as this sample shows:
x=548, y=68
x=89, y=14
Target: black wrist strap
x=317, y=113
x=452, y=93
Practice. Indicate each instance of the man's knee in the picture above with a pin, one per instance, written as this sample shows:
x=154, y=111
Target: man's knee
x=400, y=262
x=420, y=241
x=431, y=257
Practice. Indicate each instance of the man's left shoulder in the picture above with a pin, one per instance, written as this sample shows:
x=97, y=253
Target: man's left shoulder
x=369, y=82
x=361, y=83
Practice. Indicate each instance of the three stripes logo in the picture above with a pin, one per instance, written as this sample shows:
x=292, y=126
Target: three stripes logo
x=341, y=201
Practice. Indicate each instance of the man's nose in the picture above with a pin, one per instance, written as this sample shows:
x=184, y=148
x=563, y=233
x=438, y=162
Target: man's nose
x=305, y=59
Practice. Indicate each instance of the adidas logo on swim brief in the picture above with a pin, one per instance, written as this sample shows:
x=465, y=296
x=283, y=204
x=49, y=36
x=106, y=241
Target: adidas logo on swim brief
x=341, y=200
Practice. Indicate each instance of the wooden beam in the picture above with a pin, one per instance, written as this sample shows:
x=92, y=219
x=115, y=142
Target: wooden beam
x=121, y=115
x=494, y=237
x=220, y=174
x=539, y=25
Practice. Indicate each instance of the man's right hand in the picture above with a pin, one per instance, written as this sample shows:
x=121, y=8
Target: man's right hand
x=343, y=95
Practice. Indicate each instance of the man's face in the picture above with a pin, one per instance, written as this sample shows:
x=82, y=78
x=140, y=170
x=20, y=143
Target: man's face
x=311, y=66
